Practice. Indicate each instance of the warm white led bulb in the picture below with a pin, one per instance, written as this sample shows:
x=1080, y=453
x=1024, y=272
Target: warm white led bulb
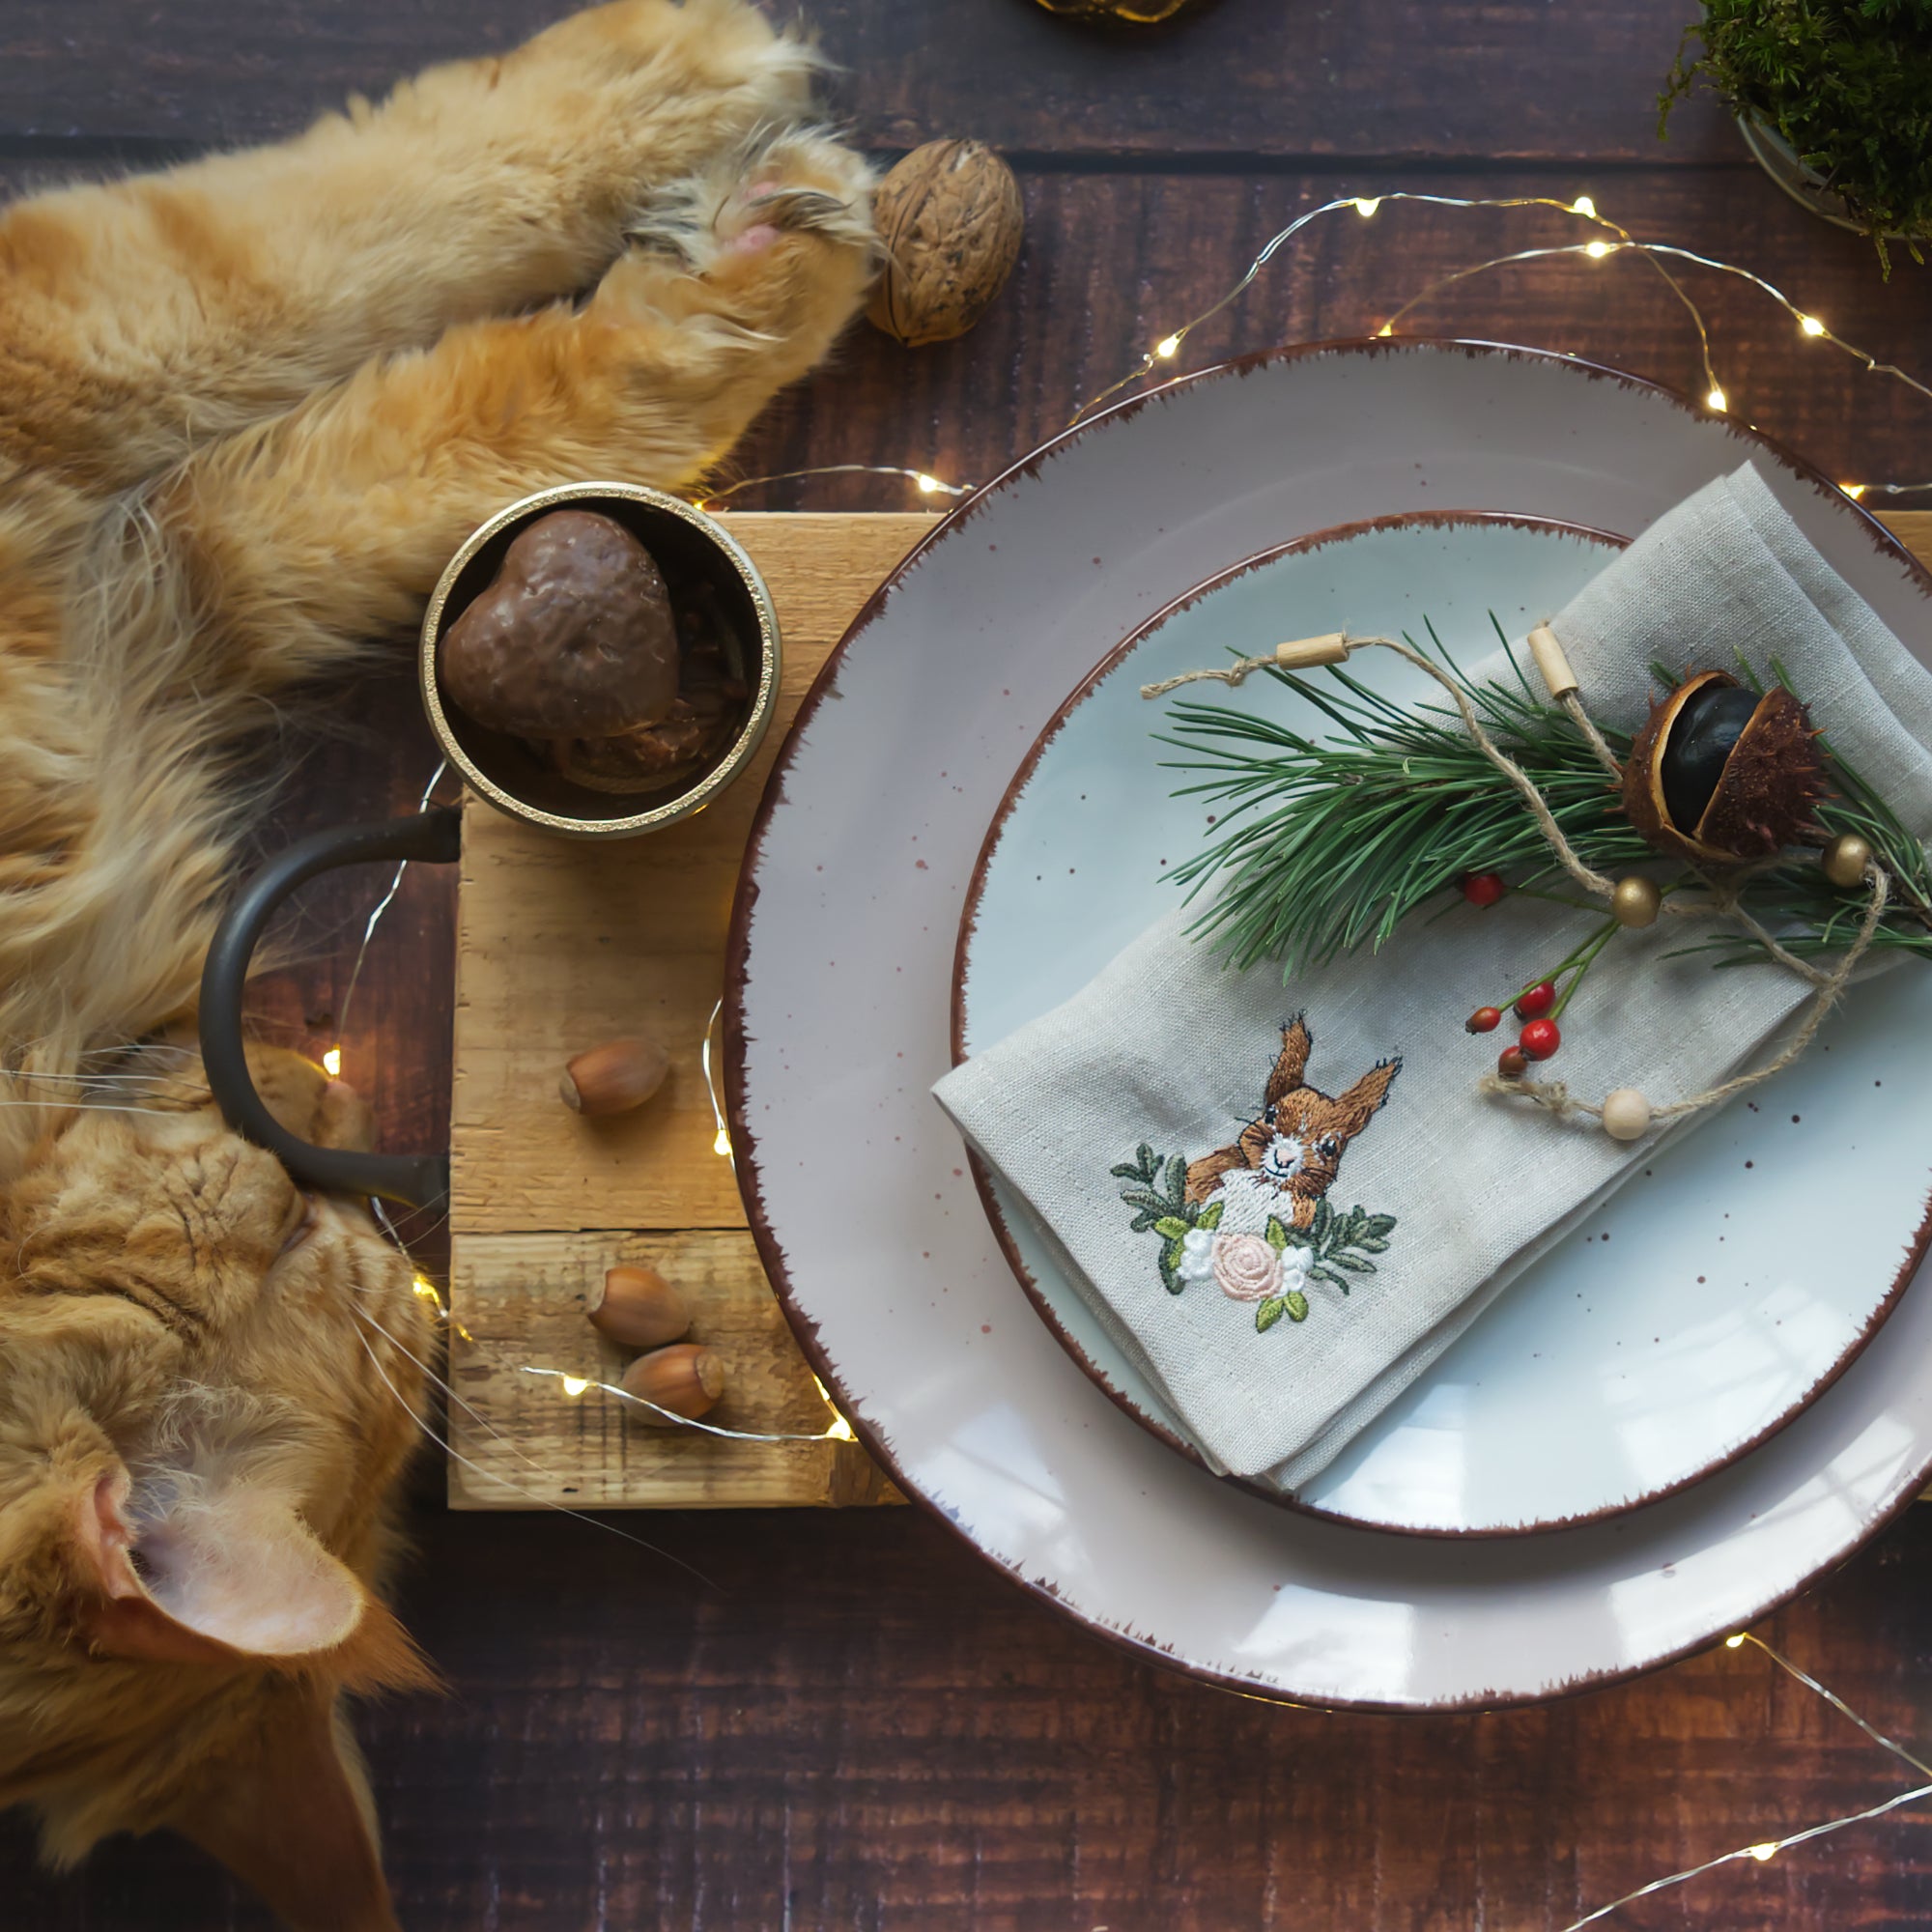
x=331, y=1061
x=1366, y=204
x=1734, y=1642
x=1584, y=205
x=928, y=486
x=721, y=1143
x=1763, y=1853
x=1810, y=325
x=1718, y=401
x=1852, y=490
x=574, y=1385
x=1167, y=345
x=1596, y=250
x=1387, y=328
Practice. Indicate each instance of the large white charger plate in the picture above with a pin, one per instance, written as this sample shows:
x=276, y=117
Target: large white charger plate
x=837, y=997
x=1698, y=1311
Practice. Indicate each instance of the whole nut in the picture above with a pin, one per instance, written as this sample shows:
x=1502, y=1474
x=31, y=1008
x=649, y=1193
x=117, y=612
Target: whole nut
x=951, y=221
x=684, y=1379
x=573, y=638
x=615, y=1077
x=638, y=1308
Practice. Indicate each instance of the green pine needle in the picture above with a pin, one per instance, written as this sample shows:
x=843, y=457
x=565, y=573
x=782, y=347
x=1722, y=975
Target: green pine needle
x=1327, y=844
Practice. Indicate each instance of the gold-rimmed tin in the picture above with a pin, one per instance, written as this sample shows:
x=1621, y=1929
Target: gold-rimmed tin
x=687, y=544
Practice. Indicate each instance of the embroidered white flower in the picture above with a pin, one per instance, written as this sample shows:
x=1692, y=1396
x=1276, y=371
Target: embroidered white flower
x=1247, y=1267
x=1294, y=1272
x=1196, y=1256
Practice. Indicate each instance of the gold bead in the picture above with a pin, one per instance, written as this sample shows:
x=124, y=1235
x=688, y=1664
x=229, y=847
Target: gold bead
x=1845, y=858
x=1626, y=1114
x=1635, y=901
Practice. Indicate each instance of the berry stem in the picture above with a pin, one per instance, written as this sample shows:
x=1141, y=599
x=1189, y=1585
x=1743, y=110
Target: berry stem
x=1589, y=958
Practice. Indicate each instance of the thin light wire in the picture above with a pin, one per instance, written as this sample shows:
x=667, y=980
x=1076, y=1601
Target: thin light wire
x=721, y=1141
x=927, y=484
x=1762, y=1853
x=376, y=919
x=579, y=1384
x=1768, y=1848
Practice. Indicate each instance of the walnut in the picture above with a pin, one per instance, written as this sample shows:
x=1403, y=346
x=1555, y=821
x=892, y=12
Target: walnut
x=950, y=220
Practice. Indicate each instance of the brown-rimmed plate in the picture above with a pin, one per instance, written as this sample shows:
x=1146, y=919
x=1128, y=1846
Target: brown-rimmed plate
x=838, y=1022
x=1692, y=1314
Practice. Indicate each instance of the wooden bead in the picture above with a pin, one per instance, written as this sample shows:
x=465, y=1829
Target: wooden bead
x=1626, y=1114
x=1845, y=860
x=638, y=1308
x=684, y=1379
x=1635, y=901
x=615, y=1077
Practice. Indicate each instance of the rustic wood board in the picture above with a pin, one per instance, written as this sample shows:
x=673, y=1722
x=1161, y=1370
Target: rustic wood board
x=561, y=946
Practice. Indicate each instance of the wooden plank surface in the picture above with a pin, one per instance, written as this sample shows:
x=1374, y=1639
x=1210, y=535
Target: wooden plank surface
x=850, y=1723
x=561, y=945
x=1511, y=78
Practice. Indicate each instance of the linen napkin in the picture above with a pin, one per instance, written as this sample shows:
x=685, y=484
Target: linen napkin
x=1285, y=1202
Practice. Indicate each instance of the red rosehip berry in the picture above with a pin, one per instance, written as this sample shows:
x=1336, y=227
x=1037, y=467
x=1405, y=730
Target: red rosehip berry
x=1485, y=1019
x=1512, y=1063
x=1538, y=1001
x=1540, y=1039
x=1482, y=889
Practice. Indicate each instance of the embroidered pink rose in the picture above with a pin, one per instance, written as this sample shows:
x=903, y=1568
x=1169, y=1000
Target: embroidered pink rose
x=1247, y=1267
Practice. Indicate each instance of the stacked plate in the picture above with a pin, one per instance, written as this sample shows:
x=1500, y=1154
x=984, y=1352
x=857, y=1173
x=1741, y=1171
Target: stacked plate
x=1705, y=1397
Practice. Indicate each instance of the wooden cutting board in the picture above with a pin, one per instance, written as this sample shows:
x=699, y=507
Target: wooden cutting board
x=561, y=946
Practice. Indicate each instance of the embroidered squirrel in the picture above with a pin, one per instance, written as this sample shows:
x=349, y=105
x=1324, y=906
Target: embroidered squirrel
x=1297, y=1143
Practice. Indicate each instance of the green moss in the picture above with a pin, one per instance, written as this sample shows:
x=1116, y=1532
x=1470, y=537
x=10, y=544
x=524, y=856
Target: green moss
x=1847, y=83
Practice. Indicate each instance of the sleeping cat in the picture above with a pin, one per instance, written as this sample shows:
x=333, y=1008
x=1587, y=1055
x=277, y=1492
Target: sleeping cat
x=248, y=410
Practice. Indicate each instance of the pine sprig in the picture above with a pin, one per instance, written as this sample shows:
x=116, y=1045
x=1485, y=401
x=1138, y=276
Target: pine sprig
x=1325, y=845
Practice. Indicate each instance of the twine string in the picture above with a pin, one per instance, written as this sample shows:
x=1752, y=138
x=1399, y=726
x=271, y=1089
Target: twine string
x=1724, y=900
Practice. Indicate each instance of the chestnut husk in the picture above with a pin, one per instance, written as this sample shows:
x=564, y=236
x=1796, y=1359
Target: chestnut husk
x=1762, y=797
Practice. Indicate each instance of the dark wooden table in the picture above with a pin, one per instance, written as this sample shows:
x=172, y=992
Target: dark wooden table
x=854, y=1724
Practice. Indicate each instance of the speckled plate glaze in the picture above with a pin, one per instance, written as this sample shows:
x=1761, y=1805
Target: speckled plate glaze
x=1707, y=1303
x=838, y=1022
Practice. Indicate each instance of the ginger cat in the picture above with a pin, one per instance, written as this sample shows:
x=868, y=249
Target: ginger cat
x=247, y=410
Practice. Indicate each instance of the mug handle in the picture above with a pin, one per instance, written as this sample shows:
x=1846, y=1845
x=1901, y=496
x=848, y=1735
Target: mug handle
x=416, y=1181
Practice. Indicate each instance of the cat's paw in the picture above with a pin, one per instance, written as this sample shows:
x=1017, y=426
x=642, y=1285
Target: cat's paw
x=799, y=187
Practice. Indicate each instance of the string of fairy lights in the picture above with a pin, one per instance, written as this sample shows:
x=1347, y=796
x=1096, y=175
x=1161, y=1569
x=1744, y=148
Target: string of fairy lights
x=1610, y=244
x=1614, y=241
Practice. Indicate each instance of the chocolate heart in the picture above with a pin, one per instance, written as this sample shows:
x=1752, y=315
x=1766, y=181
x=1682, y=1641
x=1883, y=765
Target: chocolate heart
x=573, y=638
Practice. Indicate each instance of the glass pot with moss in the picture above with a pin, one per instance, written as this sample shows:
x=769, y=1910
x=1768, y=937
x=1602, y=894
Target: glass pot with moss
x=1834, y=99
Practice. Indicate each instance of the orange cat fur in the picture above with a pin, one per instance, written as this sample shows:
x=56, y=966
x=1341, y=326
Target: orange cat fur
x=247, y=410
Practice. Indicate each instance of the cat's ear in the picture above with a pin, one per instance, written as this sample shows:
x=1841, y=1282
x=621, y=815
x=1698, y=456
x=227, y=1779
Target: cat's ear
x=1361, y=1102
x=1292, y=1061
x=225, y=1576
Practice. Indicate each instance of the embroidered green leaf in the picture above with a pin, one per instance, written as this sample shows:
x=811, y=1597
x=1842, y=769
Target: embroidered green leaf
x=1269, y=1313
x=1332, y=1279
x=1379, y=1227
x=1211, y=1216
x=1355, y=1264
x=1324, y=1219
x=1175, y=1251
x=1297, y=1305
x=1171, y=1226
x=1277, y=1235
x=1373, y=1244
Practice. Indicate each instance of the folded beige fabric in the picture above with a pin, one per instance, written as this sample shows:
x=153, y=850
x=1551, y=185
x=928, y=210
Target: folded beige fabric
x=1286, y=1202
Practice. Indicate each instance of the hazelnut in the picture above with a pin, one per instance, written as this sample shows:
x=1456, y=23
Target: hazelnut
x=574, y=637
x=684, y=1379
x=615, y=1077
x=950, y=220
x=638, y=1308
